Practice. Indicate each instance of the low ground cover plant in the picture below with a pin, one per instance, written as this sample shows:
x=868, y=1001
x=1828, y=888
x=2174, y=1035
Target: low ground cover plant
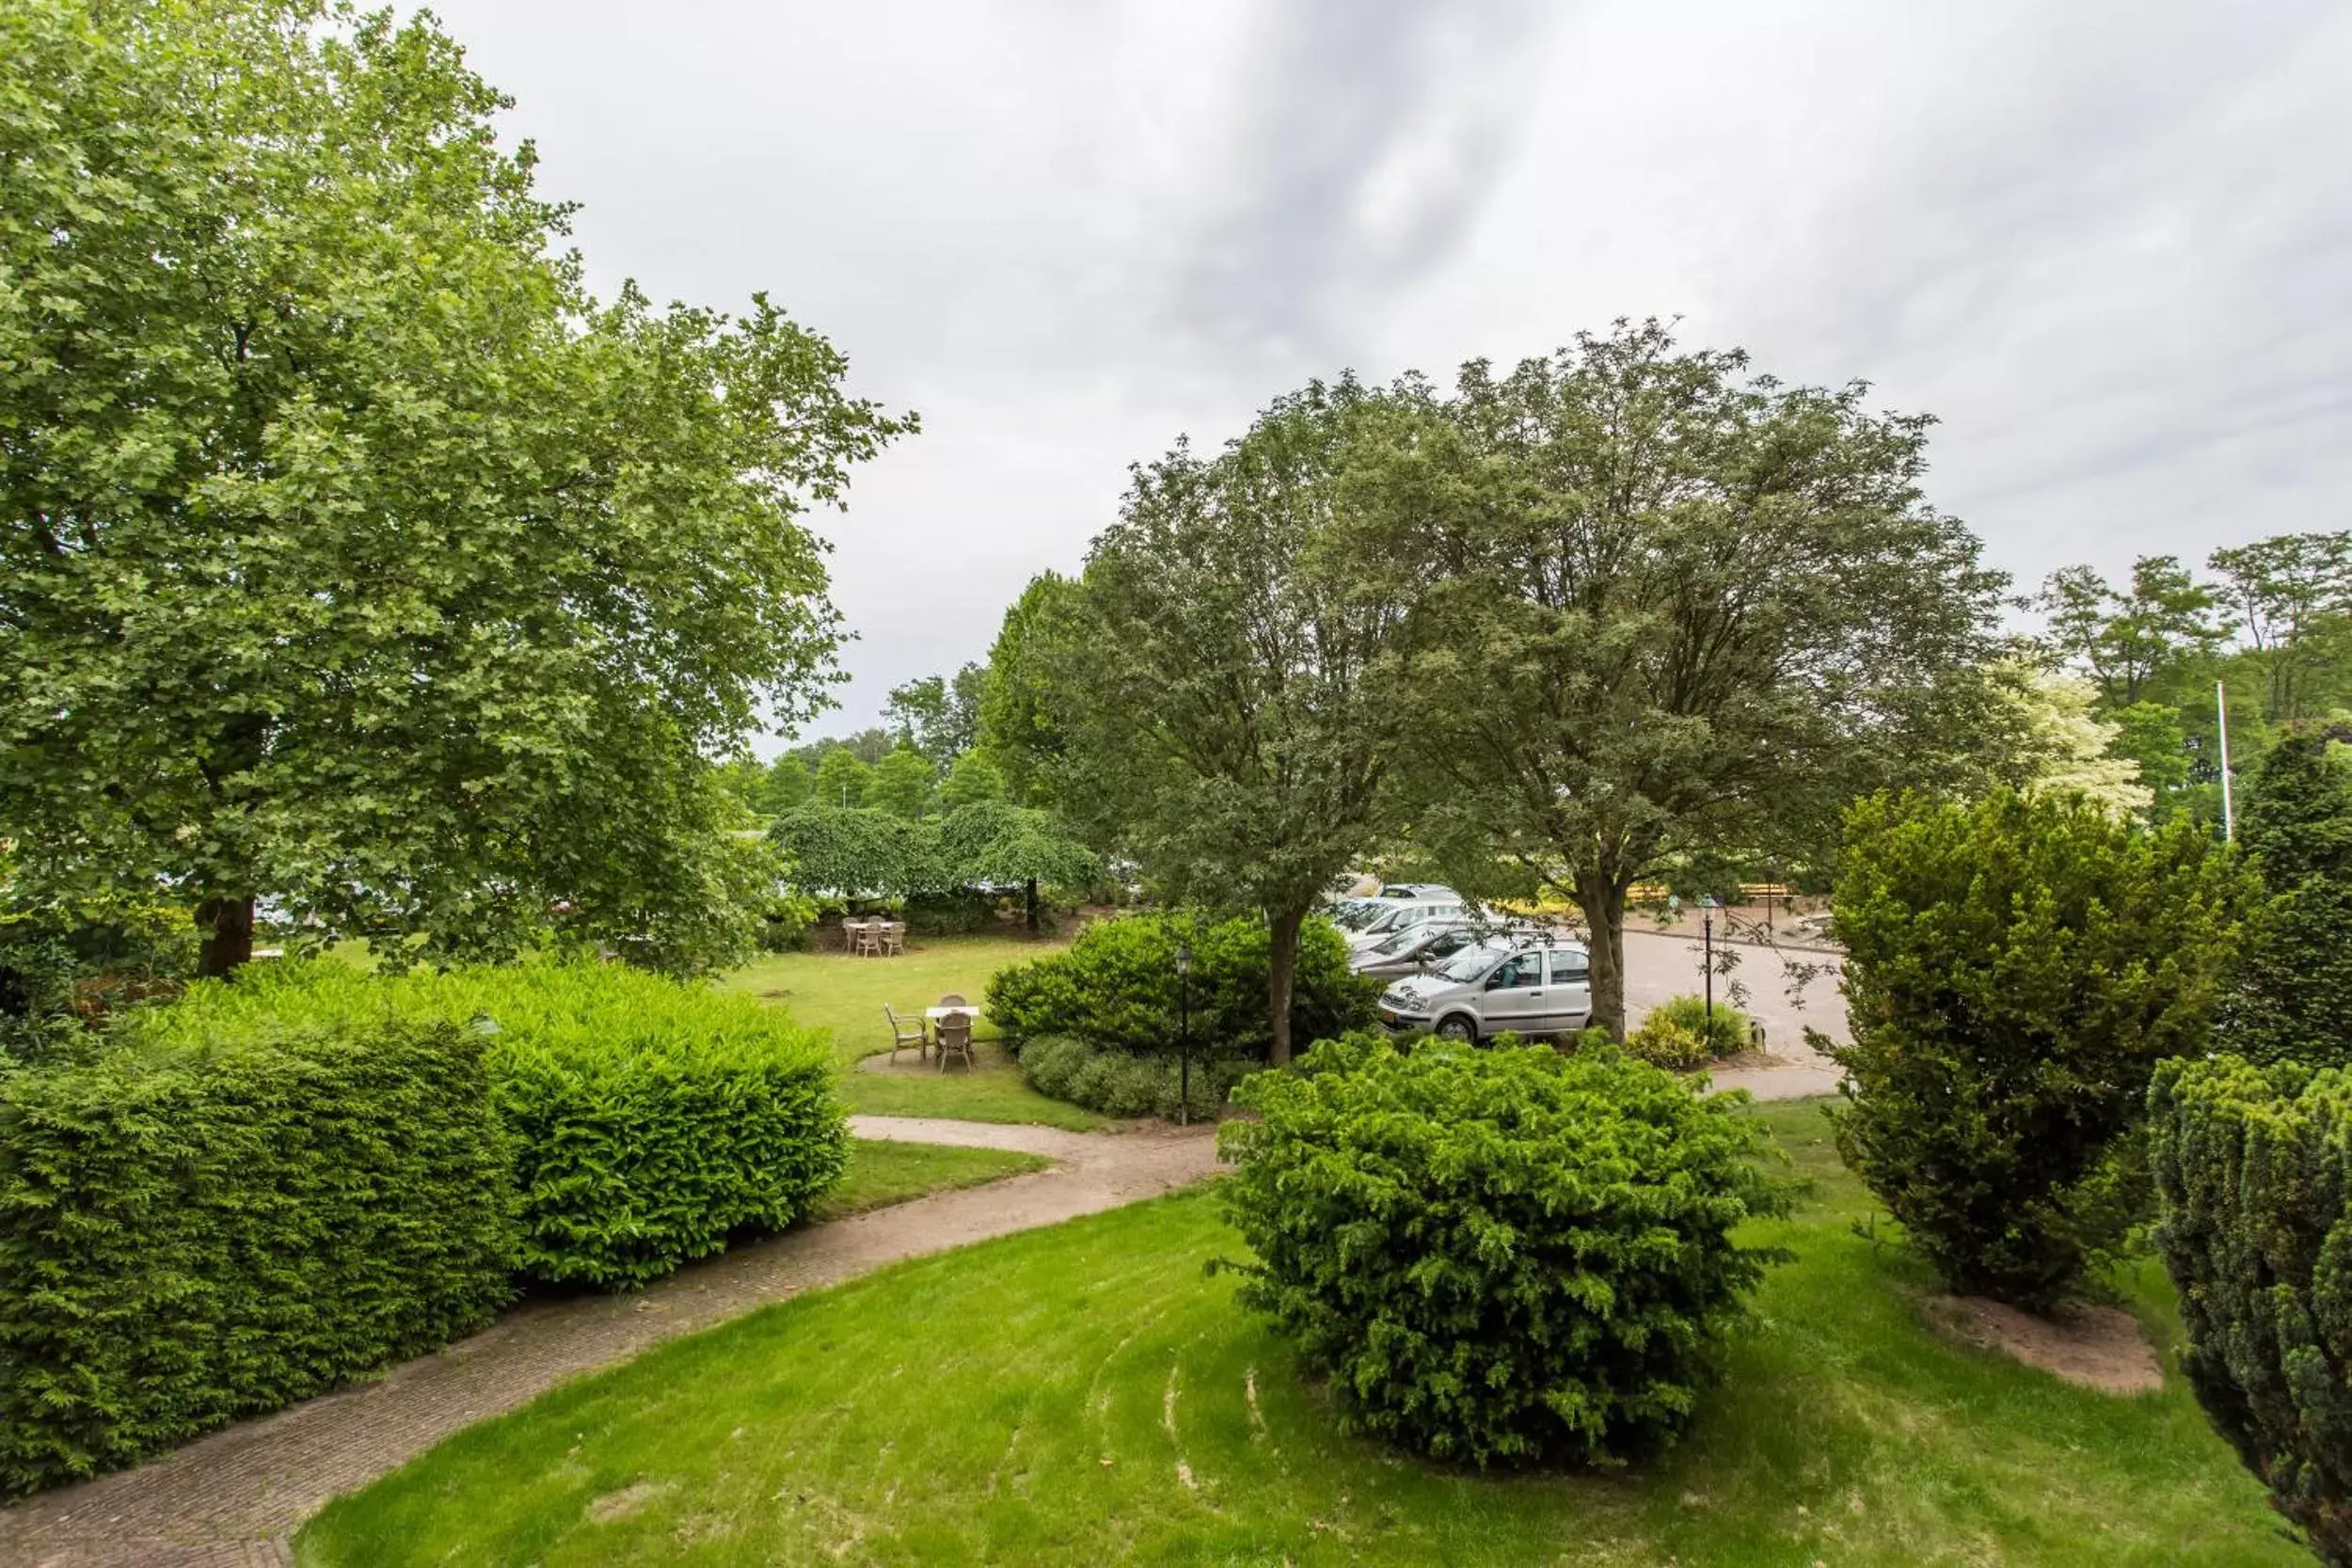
x=221, y=1219
x=1682, y=1033
x=1115, y=987
x=2254, y=1167
x=2014, y=970
x=1128, y=1084
x=1498, y=1256
x=648, y=1119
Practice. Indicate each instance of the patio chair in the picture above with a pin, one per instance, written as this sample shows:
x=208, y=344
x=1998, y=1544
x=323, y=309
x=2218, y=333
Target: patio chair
x=955, y=1036
x=864, y=941
x=903, y=1034
x=952, y=1000
x=893, y=938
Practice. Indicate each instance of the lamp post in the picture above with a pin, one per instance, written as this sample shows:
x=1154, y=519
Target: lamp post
x=1707, y=927
x=1184, y=1034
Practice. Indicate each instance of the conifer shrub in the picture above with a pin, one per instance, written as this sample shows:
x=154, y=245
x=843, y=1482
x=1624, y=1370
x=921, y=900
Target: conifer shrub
x=1502, y=1256
x=2254, y=1167
x=2290, y=990
x=208, y=1225
x=2014, y=970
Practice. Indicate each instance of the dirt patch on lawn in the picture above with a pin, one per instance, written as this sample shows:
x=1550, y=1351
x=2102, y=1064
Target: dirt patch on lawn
x=2098, y=1347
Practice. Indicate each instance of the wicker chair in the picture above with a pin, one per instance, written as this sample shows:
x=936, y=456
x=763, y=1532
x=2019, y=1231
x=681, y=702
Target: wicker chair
x=955, y=1037
x=904, y=1033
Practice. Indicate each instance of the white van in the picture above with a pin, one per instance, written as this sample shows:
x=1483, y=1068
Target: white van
x=1483, y=990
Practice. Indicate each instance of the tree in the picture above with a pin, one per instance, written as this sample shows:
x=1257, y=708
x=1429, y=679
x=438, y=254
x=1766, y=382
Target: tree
x=1215, y=712
x=2126, y=641
x=2290, y=995
x=2064, y=747
x=352, y=554
x=996, y=844
x=973, y=779
x=2014, y=970
x=901, y=783
x=841, y=778
x=1017, y=729
x=1669, y=613
x=786, y=784
x=2290, y=592
x=936, y=715
x=859, y=853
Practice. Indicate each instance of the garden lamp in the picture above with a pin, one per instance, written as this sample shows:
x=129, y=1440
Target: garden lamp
x=1184, y=1034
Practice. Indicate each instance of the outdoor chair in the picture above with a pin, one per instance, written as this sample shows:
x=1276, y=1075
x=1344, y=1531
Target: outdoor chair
x=952, y=1000
x=893, y=938
x=864, y=940
x=903, y=1034
x=955, y=1036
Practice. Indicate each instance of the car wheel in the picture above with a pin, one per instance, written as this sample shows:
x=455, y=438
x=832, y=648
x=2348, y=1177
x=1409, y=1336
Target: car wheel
x=1458, y=1027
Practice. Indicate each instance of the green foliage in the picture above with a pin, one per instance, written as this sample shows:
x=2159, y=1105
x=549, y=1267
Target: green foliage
x=786, y=784
x=2254, y=1166
x=936, y=715
x=2014, y=969
x=218, y=1224
x=393, y=576
x=1123, y=1083
x=67, y=963
x=2290, y=993
x=1001, y=845
x=901, y=783
x=860, y=852
x=842, y=780
x=1501, y=1256
x=971, y=781
x=1020, y=728
x=1115, y=987
x=1681, y=1034
x=648, y=1119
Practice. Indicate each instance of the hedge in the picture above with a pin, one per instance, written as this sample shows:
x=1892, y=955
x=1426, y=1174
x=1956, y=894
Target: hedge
x=1115, y=987
x=648, y=1118
x=2254, y=1167
x=202, y=1228
x=1501, y=1256
x=1122, y=1084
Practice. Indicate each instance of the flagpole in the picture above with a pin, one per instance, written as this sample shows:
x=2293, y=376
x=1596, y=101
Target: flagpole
x=2222, y=709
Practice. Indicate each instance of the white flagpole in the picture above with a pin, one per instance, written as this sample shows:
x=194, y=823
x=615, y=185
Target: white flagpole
x=2222, y=710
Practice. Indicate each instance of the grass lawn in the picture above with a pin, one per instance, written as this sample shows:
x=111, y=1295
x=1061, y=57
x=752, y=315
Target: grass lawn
x=1082, y=1394
x=832, y=990
x=884, y=1172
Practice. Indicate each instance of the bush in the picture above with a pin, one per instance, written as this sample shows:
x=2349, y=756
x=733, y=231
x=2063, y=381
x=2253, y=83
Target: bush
x=1499, y=1256
x=1681, y=1034
x=648, y=1118
x=954, y=913
x=2254, y=1167
x=2290, y=992
x=65, y=965
x=1115, y=987
x=2014, y=970
x=202, y=1228
x=1122, y=1084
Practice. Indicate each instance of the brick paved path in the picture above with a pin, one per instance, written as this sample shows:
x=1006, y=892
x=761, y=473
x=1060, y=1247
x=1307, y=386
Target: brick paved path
x=237, y=1497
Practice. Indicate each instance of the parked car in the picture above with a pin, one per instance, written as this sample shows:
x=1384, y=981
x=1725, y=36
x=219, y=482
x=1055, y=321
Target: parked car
x=1417, y=947
x=1495, y=986
x=1397, y=916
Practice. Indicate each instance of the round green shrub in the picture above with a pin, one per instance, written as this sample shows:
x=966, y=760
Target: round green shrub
x=1505, y=1256
x=1681, y=1034
x=1121, y=1084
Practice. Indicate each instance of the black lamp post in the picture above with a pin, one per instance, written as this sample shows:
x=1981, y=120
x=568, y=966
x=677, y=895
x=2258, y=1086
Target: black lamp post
x=1184, y=1034
x=1707, y=916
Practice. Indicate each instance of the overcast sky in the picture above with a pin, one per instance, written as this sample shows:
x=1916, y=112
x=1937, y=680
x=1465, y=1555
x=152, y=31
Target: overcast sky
x=2108, y=244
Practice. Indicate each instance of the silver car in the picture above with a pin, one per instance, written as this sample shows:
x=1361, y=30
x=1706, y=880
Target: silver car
x=1417, y=947
x=1395, y=917
x=1497, y=985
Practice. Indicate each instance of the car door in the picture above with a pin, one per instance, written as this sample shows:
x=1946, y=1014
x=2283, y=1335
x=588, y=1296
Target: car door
x=1568, y=990
x=1513, y=998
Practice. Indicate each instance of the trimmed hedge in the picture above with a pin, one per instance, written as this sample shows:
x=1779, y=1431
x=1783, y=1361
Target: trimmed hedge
x=1115, y=987
x=1122, y=1084
x=1500, y=1256
x=2254, y=1167
x=648, y=1118
x=222, y=1223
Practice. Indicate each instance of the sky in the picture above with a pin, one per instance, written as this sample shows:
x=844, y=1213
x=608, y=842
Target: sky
x=2108, y=244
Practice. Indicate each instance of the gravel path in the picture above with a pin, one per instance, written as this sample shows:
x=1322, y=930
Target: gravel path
x=237, y=1497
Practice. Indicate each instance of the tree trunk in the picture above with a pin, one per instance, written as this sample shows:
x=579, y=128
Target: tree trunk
x=1602, y=899
x=228, y=925
x=1283, y=964
x=1029, y=894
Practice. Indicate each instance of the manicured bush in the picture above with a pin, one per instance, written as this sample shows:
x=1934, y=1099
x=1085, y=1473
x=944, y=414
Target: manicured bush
x=1502, y=1256
x=648, y=1118
x=1681, y=1034
x=1115, y=987
x=2254, y=1167
x=2290, y=988
x=219, y=1223
x=2014, y=970
x=1123, y=1083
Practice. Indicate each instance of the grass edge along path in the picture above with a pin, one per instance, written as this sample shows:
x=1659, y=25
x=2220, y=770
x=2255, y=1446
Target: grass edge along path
x=889, y=1171
x=1082, y=1394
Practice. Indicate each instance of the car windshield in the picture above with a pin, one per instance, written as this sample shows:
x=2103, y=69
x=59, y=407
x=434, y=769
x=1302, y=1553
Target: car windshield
x=1355, y=917
x=1400, y=943
x=1468, y=964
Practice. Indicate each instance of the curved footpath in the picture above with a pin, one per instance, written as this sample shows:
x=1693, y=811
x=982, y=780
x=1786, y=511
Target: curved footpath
x=237, y=1496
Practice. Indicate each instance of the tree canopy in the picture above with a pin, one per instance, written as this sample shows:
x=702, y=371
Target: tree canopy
x=353, y=555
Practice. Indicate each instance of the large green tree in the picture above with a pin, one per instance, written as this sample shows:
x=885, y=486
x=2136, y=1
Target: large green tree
x=1671, y=611
x=901, y=783
x=938, y=715
x=350, y=554
x=1016, y=728
x=1216, y=715
x=2290, y=992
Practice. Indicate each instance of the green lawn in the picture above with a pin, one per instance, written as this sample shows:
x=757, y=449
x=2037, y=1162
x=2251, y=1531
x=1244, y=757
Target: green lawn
x=883, y=1172
x=846, y=995
x=1084, y=1395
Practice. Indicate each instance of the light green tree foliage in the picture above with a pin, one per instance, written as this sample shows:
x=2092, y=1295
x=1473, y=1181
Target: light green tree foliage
x=901, y=783
x=2291, y=595
x=841, y=779
x=1674, y=613
x=997, y=844
x=2064, y=747
x=1218, y=715
x=973, y=779
x=786, y=784
x=939, y=715
x=860, y=852
x=1017, y=729
x=353, y=555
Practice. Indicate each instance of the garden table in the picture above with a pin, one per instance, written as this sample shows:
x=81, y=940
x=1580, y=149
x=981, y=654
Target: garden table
x=936, y=1014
